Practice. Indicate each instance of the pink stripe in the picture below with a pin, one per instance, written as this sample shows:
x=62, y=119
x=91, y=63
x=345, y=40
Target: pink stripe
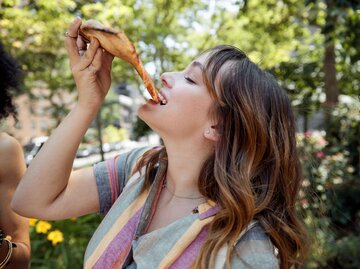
x=116, y=177
x=191, y=252
x=210, y=212
x=113, y=179
x=109, y=170
x=117, y=250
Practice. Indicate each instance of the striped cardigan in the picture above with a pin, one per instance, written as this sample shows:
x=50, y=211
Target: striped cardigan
x=121, y=240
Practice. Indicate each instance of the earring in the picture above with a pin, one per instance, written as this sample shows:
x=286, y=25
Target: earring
x=207, y=131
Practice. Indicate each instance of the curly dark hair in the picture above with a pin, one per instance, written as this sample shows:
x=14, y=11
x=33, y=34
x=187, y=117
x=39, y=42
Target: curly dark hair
x=10, y=81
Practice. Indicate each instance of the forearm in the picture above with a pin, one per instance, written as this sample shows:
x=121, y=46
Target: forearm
x=20, y=257
x=48, y=174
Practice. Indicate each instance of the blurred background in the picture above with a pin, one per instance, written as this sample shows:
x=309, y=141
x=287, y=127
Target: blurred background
x=311, y=46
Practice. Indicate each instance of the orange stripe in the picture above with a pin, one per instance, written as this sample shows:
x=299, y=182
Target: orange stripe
x=189, y=236
x=110, y=179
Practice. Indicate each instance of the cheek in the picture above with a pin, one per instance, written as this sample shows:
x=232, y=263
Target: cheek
x=186, y=113
x=191, y=109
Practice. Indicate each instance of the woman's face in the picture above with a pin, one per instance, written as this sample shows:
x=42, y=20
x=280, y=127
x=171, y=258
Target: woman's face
x=188, y=103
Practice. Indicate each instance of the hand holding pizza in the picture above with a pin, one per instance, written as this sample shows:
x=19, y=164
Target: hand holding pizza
x=116, y=43
x=91, y=67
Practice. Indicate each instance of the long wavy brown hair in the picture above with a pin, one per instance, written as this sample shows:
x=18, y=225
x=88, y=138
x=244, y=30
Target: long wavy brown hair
x=254, y=172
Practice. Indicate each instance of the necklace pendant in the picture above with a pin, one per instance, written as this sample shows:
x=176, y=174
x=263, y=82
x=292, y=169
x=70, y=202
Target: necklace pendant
x=195, y=210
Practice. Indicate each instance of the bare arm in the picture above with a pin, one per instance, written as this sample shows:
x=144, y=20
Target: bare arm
x=12, y=167
x=50, y=190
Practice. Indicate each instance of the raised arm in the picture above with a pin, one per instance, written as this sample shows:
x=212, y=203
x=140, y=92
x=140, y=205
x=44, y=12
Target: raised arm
x=50, y=189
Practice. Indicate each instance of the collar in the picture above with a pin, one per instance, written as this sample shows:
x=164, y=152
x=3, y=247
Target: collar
x=204, y=210
x=208, y=209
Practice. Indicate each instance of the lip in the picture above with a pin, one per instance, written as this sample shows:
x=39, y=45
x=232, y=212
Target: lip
x=164, y=95
x=152, y=102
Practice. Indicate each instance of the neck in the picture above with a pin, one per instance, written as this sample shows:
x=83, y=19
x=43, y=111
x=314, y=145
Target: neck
x=185, y=161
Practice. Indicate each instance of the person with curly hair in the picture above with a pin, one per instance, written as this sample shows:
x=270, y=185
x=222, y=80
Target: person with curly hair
x=14, y=229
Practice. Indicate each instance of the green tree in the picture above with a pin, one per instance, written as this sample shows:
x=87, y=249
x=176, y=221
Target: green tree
x=311, y=46
x=340, y=27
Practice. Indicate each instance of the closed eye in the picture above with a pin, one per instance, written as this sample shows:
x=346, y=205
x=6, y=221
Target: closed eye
x=189, y=80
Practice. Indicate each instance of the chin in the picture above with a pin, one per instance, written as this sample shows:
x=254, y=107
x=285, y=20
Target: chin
x=155, y=119
x=144, y=113
x=147, y=117
x=154, y=124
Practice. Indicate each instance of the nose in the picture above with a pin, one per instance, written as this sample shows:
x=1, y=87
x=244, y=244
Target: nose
x=166, y=80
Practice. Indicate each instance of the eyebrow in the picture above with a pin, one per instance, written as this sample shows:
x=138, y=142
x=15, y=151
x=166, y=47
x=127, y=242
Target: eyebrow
x=197, y=64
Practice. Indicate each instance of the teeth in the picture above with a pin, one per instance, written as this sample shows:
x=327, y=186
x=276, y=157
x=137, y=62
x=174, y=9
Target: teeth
x=162, y=99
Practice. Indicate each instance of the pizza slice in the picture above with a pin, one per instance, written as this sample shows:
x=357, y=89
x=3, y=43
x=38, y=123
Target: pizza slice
x=117, y=43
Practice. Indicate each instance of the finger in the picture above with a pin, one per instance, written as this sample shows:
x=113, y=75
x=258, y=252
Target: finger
x=81, y=44
x=96, y=63
x=70, y=43
x=107, y=58
x=82, y=52
x=88, y=56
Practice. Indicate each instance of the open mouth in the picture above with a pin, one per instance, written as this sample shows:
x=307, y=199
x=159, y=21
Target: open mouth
x=163, y=100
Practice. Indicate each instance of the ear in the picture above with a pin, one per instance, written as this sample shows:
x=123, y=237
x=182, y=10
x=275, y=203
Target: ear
x=212, y=134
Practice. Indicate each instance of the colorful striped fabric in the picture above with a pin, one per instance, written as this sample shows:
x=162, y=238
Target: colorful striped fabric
x=122, y=241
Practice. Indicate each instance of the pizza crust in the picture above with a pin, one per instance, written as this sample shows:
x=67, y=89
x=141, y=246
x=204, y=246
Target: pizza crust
x=116, y=42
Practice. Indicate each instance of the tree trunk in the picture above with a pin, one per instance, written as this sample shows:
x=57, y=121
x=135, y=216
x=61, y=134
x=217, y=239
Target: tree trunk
x=331, y=89
x=306, y=123
x=99, y=131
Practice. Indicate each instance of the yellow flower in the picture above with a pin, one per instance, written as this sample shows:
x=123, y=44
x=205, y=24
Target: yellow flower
x=42, y=227
x=32, y=222
x=55, y=237
x=17, y=44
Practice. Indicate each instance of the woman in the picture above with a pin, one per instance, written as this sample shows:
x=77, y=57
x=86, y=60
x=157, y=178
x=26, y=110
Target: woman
x=16, y=251
x=222, y=190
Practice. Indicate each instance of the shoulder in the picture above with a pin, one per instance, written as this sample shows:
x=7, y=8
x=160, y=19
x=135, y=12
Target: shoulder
x=9, y=145
x=137, y=158
x=125, y=162
x=12, y=163
x=114, y=174
x=255, y=250
x=137, y=153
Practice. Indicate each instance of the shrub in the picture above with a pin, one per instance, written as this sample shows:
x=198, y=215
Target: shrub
x=331, y=198
x=61, y=244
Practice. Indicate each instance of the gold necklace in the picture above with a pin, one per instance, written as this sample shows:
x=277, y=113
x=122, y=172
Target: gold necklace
x=181, y=197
